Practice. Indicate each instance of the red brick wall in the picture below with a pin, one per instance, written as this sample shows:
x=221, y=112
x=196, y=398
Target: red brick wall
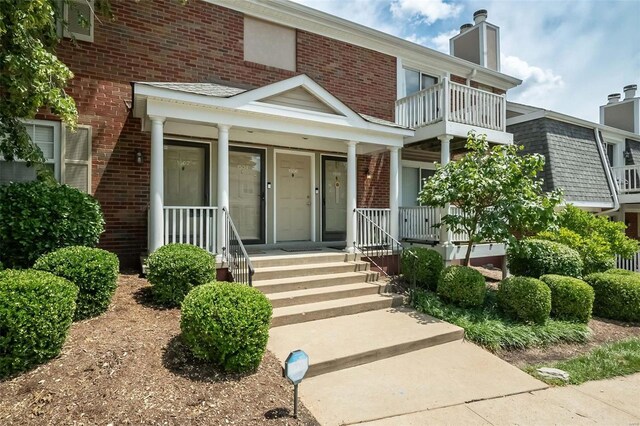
x=475, y=84
x=199, y=42
x=373, y=192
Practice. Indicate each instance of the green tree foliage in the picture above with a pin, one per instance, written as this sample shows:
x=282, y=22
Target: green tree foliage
x=497, y=192
x=31, y=76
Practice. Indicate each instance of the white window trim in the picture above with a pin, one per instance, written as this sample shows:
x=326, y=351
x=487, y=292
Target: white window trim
x=62, y=157
x=420, y=72
x=77, y=36
x=57, y=142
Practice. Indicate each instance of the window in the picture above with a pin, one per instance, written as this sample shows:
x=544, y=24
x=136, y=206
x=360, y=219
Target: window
x=67, y=153
x=78, y=16
x=269, y=44
x=416, y=81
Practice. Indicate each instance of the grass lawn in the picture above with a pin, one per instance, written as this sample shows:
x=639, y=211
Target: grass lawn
x=486, y=327
x=610, y=360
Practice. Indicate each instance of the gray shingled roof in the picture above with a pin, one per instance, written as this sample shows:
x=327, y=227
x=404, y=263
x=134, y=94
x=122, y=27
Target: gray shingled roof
x=208, y=89
x=377, y=120
x=572, y=160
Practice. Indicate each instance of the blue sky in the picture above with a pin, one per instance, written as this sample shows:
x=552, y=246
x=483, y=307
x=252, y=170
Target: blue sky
x=570, y=53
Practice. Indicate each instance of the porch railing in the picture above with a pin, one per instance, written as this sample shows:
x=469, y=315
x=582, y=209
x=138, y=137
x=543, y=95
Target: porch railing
x=238, y=261
x=375, y=244
x=632, y=264
x=191, y=225
x=628, y=178
x=462, y=104
x=368, y=230
x=422, y=224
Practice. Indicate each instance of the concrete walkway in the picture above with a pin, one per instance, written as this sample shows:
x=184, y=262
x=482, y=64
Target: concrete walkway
x=610, y=402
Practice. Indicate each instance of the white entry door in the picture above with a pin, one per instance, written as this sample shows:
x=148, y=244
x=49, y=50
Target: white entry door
x=185, y=175
x=293, y=197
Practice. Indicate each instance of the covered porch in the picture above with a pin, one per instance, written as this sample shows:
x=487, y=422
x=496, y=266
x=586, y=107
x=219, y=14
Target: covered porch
x=272, y=166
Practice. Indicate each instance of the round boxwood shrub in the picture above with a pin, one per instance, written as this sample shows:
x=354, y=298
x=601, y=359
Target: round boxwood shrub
x=571, y=298
x=175, y=269
x=525, y=298
x=422, y=266
x=462, y=285
x=617, y=296
x=616, y=271
x=93, y=270
x=227, y=324
x=534, y=258
x=38, y=217
x=36, y=310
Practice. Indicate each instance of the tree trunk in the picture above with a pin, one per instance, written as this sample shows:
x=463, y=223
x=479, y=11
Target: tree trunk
x=467, y=257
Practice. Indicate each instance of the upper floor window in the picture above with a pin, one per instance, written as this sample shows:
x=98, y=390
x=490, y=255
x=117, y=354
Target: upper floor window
x=66, y=153
x=269, y=44
x=416, y=81
x=78, y=16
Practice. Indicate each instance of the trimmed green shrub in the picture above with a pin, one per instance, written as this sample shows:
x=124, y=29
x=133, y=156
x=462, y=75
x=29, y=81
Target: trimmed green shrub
x=425, y=270
x=38, y=217
x=616, y=271
x=525, y=298
x=36, y=310
x=462, y=285
x=594, y=250
x=571, y=298
x=93, y=270
x=227, y=324
x=534, y=258
x=175, y=269
x=617, y=296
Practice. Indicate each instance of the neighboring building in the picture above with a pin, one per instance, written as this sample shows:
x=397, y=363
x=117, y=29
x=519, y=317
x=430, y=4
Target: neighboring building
x=596, y=165
x=284, y=116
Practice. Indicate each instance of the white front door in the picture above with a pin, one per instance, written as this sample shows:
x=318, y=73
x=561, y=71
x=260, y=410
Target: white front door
x=184, y=175
x=293, y=197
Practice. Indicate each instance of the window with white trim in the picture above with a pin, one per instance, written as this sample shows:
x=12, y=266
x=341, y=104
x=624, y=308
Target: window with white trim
x=66, y=153
x=79, y=19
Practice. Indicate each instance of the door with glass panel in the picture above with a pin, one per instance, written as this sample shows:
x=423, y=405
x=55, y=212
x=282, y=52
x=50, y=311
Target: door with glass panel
x=246, y=193
x=334, y=198
x=416, y=81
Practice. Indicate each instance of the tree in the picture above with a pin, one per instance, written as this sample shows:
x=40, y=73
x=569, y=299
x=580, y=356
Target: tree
x=497, y=192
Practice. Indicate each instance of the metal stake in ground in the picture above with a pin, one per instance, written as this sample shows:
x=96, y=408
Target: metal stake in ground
x=295, y=367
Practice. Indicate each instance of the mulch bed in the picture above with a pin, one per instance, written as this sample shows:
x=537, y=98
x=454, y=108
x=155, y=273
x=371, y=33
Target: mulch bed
x=130, y=366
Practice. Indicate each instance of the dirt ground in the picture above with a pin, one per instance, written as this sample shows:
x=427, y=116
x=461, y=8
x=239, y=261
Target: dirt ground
x=129, y=366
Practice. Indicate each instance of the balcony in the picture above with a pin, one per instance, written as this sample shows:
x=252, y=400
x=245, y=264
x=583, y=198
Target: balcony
x=628, y=182
x=464, y=108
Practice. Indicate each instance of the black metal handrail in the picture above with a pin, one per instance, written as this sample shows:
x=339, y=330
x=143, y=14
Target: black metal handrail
x=240, y=266
x=382, y=250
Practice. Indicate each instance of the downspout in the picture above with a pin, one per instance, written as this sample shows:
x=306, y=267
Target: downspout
x=613, y=187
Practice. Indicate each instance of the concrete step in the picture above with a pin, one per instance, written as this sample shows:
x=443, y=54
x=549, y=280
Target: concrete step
x=305, y=270
x=333, y=308
x=279, y=285
x=344, y=342
x=270, y=260
x=321, y=294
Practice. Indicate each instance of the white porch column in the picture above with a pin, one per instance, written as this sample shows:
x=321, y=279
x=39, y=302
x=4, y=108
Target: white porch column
x=156, y=186
x=352, y=190
x=445, y=157
x=223, y=183
x=394, y=191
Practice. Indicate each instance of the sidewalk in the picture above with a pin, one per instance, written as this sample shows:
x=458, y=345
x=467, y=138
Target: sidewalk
x=612, y=402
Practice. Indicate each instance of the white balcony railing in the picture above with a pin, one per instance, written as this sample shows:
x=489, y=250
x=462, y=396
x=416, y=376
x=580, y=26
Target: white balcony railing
x=628, y=178
x=191, y=225
x=367, y=234
x=421, y=224
x=463, y=104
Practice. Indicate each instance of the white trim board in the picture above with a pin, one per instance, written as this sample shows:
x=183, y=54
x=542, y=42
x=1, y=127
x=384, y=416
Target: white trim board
x=314, y=196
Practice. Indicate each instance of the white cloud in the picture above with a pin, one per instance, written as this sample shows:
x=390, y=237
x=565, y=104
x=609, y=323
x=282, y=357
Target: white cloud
x=538, y=85
x=427, y=10
x=441, y=41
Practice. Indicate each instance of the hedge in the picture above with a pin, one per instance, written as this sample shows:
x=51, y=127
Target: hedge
x=93, y=270
x=227, y=324
x=36, y=311
x=462, y=285
x=525, y=298
x=425, y=270
x=571, y=298
x=534, y=258
x=616, y=296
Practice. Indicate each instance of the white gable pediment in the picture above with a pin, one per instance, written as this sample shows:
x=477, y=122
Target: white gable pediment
x=300, y=98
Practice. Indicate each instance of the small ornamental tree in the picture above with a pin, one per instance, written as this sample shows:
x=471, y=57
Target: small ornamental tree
x=497, y=193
